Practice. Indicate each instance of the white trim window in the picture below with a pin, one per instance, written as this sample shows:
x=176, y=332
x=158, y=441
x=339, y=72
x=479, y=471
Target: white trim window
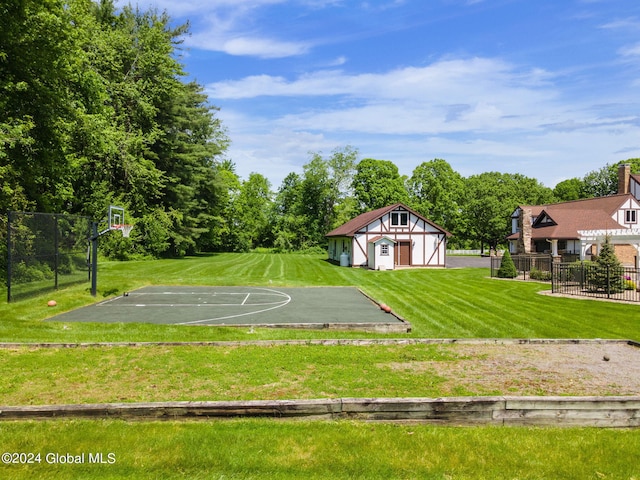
x=384, y=250
x=399, y=219
x=630, y=216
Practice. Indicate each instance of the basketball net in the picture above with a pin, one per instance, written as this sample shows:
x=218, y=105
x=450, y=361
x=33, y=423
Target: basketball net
x=124, y=228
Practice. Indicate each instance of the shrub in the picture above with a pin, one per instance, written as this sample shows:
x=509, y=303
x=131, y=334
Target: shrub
x=507, y=267
x=37, y=272
x=543, y=275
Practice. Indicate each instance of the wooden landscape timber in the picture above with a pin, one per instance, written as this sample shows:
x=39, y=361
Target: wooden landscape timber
x=331, y=342
x=608, y=412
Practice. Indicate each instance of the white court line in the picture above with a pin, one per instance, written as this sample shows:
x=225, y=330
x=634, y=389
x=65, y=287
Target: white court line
x=285, y=302
x=187, y=305
x=118, y=299
x=132, y=294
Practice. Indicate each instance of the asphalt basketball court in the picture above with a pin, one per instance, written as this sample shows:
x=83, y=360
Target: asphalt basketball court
x=344, y=308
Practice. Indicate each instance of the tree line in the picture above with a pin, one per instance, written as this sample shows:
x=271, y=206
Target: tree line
x=96, y=111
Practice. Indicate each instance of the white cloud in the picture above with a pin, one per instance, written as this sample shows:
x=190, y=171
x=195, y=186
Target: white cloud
x=630, y=50
x=445, y=79
x=341, y=60
x=447, y=96
x=247, y=46
x=479, y=114
x=199, y=7
x=230, y=26
x=630, y=23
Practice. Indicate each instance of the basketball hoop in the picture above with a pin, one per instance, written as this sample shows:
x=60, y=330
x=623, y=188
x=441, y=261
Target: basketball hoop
x=124, y=228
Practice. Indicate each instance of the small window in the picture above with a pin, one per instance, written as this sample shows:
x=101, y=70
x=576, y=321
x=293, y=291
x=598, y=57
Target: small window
x=384, y=249
x=401, y=219
x=630, y=216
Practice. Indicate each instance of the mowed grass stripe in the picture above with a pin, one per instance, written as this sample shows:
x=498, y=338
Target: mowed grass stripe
x=438, y=303
x=459, y=306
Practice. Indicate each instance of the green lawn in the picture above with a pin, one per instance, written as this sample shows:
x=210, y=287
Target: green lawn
x=461, y=303
x=439, y=303
x=259, y=449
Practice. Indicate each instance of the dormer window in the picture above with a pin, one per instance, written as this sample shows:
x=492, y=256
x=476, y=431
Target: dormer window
x=399, y=219
x=630, y=216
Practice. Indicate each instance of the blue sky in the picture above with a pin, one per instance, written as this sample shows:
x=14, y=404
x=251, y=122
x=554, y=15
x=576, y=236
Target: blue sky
x=546, y=88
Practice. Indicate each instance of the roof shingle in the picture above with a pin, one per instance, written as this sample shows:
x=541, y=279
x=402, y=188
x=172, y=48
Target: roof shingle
x=350, y=228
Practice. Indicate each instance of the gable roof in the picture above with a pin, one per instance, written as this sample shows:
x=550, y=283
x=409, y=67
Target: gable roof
x=350, y=228
x=566, y=223
x=569, y=217
x=379, y=238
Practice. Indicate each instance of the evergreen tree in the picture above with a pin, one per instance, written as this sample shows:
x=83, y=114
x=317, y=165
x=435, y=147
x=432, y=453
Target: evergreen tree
x=606, y=275
x=507, y=267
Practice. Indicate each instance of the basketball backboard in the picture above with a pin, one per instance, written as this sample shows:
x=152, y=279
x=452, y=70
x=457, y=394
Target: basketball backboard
x=116, y=217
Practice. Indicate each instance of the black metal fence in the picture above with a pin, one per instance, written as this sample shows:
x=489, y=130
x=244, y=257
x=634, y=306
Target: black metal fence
x=529, y=267
x=593, y=280
x=45, y=251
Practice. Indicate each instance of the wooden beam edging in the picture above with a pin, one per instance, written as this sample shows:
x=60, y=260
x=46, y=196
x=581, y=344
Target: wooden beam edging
x=607, y=412
x=329, y=342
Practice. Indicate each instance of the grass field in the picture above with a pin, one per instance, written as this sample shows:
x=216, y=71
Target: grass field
x=460, y=303
x=259, y=449
x=439, y=303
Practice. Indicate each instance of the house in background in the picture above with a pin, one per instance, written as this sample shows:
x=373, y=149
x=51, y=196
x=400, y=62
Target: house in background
x=387, y=238
x=577, y=229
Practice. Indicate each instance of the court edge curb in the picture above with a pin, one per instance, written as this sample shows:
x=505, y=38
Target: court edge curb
x=604, y=412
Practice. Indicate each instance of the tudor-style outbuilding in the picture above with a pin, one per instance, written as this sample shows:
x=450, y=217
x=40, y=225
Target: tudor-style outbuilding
x=389, y=237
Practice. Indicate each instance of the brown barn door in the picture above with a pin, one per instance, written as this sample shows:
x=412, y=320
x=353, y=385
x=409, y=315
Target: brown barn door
x=403, y=253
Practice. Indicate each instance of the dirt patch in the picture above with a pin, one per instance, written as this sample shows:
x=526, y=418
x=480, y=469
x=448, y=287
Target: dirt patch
x=549, y=369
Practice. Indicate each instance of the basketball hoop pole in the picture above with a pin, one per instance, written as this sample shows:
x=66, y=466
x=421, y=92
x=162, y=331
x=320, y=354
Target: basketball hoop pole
x=94, y=258
x=95, y=234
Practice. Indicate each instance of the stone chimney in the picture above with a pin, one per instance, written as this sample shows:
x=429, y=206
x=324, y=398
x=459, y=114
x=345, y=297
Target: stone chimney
x=624, y=176
x=524, y=224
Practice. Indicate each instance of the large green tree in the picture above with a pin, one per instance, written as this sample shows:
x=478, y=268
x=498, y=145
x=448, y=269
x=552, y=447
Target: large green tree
x=490, y=199
x=570, y=189
x=220, y=235
x=377, y=183
x=308, y=206
x=96, y=112
x=604, y=181
x=40, y=91
x=437, y=191
x=252, y=208
x=288, y=220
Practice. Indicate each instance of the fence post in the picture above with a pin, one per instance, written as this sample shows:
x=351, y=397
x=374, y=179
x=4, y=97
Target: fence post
x=94, y=258
x=56, y=252
x=9, y=259
x=608, y=283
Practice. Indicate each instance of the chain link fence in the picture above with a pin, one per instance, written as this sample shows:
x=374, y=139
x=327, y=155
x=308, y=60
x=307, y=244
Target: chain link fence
x=45, y=251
